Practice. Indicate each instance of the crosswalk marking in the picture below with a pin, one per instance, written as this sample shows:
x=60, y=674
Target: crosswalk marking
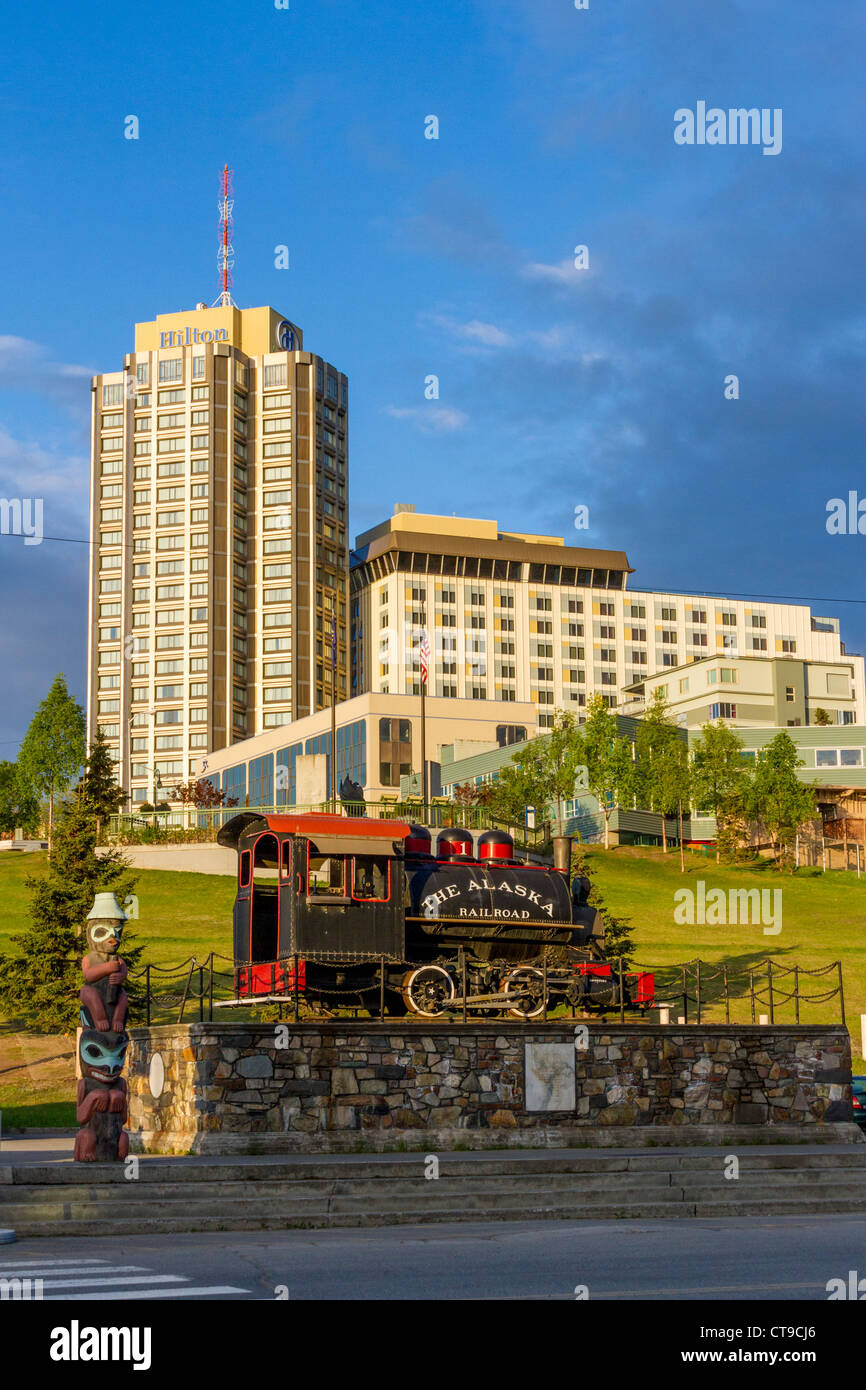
x=49, y=1264
x=92, y=1267
x=113, y=1282
x=207, y=1291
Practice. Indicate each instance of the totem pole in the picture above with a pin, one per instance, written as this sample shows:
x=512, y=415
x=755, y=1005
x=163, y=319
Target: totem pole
x=102, y=1045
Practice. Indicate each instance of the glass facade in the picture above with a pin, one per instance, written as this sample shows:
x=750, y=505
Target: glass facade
x=261, y=781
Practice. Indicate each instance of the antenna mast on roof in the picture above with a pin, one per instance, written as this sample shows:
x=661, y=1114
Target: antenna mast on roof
x=226, y=253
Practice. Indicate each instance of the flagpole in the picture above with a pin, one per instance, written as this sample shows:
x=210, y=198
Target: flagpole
x=424, y=671
x=334, y=712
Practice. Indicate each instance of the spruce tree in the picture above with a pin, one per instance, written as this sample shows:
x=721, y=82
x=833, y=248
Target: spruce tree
x=40, y=982
x=98, y=787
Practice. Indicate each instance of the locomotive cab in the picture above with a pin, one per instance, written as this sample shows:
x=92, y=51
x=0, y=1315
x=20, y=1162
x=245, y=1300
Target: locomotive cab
x=315, y=889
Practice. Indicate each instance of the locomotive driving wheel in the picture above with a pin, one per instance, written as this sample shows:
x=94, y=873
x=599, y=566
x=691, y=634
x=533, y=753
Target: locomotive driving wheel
x=527, y=983
x=426, y=989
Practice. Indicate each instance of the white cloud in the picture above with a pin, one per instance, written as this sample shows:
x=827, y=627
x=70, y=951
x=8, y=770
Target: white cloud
x=440, y=418
x=28, y=470
x=563, y=273
x=474, y=332
x=486, y=333
x=25, y=366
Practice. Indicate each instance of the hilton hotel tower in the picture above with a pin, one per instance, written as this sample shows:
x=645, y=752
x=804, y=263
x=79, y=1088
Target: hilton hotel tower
x=219, y=553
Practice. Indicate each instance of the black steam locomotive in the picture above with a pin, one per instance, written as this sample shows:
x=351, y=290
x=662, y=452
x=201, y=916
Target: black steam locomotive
x=343, y=910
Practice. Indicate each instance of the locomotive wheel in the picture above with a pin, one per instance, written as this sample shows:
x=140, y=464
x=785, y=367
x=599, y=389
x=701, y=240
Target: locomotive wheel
x=426, y=989
x=527, y=980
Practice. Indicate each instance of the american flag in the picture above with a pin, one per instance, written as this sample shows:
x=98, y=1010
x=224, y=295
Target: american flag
x=425, y=656
x=334, y=642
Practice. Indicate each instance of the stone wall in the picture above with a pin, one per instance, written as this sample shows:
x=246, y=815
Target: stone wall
x=232, y=1087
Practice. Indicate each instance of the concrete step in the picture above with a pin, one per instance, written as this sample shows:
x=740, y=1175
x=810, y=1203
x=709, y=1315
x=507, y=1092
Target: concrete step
x=525, y=1210
x=185, y=1187
x=194, y=1194
x=39, y=1205
x=403, y=1187
x=169, y=1172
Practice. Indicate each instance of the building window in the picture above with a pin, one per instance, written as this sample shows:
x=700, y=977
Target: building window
x=112, y=395
x=395, y=750
x=171, y=369
x=275, y=375
x=723, y=710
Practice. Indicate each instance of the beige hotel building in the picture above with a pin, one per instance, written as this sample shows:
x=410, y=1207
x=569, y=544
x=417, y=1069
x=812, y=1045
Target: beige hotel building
x=219, y=540
x=528, y=619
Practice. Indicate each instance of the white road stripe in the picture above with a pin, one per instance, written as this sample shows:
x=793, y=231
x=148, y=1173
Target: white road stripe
x=36, y=1271
x=209, y=1290
x=110, y=1279
x=47, y=1264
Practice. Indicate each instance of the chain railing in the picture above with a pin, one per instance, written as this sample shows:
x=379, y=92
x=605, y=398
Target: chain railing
x=698, y=988
x=700, y=991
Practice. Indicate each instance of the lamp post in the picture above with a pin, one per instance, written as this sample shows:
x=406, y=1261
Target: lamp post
x=157, y=786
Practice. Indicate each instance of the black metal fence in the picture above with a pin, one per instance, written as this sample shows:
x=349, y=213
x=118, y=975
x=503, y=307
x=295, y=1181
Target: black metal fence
x=697, y=988
x=692, y=992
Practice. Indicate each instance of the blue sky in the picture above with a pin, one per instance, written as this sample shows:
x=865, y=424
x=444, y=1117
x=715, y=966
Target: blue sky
x=454, y=257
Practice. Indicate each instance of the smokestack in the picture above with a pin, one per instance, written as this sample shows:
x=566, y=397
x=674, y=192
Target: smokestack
x=562, y=853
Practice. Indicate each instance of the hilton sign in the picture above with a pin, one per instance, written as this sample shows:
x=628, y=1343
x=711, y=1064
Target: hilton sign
x=287, y=336
x=193, y=335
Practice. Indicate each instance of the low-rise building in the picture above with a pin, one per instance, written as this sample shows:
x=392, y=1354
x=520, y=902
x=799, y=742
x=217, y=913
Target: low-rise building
x=755, y=692
x=378, y=743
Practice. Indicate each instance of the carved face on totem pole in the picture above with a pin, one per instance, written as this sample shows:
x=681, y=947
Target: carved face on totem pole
x=103, y=936
x=102, y=1055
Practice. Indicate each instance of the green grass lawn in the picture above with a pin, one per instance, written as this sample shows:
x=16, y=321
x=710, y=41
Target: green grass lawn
x=27, y=1114
x=180, y=914
x=823, y=919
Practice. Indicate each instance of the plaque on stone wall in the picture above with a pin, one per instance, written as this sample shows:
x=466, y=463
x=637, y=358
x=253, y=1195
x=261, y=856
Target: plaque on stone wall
x=550, y=1080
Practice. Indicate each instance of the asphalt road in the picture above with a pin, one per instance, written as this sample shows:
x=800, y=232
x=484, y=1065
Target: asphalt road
x=719, y=1260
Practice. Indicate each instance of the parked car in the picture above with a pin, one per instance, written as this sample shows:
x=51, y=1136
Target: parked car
x=858, y=1099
